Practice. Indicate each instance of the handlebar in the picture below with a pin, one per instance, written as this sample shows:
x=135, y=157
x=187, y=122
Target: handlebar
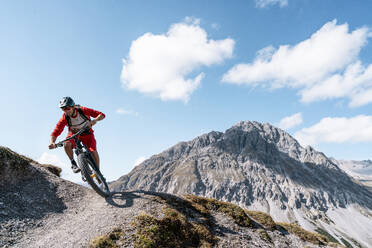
x=60, y=144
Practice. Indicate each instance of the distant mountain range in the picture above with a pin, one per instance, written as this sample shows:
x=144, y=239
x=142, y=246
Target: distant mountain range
x=360, y=170
x=261, y=167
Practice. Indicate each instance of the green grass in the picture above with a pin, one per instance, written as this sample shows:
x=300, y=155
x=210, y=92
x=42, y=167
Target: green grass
x=325, y=233
x=173, y=230
x=314, y=238
x=262, y=218
x=108, y=240
x=235, y=212
x=242, y=218
x=347, y=244
x=188, y=223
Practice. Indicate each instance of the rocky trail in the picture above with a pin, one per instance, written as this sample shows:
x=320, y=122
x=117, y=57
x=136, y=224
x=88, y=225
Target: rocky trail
x=90, y=216
x=39, y=209
x=84, y=219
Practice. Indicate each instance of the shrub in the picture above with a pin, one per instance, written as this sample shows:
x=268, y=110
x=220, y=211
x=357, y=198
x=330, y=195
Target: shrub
x=173, y=230
x=108, y=240
x=314, y=238
x=262, y=218
x=53, y=169
x=235, y=212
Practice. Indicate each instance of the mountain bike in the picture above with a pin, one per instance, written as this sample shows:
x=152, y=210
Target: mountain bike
x=87, y=164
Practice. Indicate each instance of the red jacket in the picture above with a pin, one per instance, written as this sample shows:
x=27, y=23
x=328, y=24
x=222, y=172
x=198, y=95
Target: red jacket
x=63, y=122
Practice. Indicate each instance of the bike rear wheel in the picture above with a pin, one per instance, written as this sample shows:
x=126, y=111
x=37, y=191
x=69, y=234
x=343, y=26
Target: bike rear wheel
x=93, y=176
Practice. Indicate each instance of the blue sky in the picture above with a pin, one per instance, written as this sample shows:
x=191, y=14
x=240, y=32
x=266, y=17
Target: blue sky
x=168, y=71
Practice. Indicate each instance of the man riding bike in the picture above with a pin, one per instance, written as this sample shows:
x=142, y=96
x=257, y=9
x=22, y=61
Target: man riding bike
x=76, y=117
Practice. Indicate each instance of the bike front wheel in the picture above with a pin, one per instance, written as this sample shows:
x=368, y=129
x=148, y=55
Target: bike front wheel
x=93, y=176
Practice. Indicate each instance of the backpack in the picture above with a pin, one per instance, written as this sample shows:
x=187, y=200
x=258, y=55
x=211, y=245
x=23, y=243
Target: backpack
x=68, y=119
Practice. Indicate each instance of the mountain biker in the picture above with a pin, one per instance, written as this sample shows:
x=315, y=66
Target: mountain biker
x=76, y=117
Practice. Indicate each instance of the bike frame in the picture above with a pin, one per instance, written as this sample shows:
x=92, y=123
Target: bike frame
x=82, y=150
x=80, y=147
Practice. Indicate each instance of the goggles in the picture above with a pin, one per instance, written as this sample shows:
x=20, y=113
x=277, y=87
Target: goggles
x=66, y=108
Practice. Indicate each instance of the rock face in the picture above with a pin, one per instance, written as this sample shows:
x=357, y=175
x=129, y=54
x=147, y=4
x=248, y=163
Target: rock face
x=256, y=166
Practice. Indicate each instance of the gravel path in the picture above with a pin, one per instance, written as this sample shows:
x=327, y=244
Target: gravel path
x=88, y=216
x=85, y=219
x=40, y=209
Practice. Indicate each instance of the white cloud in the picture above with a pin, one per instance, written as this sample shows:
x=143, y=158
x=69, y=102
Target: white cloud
x=47, y=158
x=290, y=121
x=265, y=3
x=163, y=65
x=322, y=67
x=139, y=160
x=337, y=130
x=122, y=111
x=355, y=83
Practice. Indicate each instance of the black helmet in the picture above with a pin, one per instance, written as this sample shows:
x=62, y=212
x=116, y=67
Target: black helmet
x=66, y=102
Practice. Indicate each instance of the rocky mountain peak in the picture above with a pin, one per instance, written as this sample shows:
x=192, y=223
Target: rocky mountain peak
x=249, y=152
x=258, y=136
x=249, y=140
x=255, y=165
